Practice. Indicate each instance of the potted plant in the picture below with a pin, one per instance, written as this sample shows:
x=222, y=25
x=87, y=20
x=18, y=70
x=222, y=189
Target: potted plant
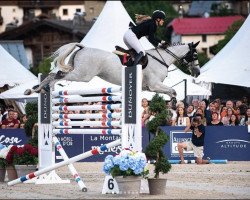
x=154, y=150
x=11, y=171
x=3, y=164
x=127, y=168
x=24, y=159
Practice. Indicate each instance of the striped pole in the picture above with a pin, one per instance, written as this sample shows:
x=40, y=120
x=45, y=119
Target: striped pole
x=87, y=107
x=88, y=131
x=87, y=91
x=87, y=116
x=72, y=169
x=69, y=99
x=87, y=123
x=66, y=162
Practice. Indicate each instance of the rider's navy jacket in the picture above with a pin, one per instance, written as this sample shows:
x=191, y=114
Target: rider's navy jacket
x=147, y=28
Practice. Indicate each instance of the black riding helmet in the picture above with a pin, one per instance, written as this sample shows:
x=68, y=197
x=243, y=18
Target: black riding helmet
x=158, y=14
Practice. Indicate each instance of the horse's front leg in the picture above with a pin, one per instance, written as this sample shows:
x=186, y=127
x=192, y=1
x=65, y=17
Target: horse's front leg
x=161, y=88
x=43, y=85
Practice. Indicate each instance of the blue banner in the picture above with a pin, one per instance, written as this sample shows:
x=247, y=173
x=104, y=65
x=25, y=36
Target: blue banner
x=13, y=137
x=224, y=142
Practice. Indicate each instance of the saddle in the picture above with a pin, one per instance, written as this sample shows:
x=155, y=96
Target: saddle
x=127, y=57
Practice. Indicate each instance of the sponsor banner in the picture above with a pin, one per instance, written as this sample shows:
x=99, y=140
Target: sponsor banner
x=130, y=95
x=45, y=105
x=74, y=145
x=231, y=143
x=228, y=142
x=13, y=137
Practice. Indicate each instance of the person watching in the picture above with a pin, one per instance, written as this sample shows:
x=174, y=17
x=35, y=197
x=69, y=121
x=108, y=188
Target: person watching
x=10, y=121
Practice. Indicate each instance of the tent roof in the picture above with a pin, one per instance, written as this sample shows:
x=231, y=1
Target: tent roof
x=232, y=64
x=11, y=71
x=109, y=28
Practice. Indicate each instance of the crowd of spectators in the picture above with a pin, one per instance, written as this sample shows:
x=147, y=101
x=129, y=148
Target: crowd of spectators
x=214, y=113
x=10, y=118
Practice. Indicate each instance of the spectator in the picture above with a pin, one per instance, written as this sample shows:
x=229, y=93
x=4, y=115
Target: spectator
x=245, y=101
x=172, y=110
x=16, y=116
x=229, y=104
x=190, y=111
x=195, y=103
x=197, y=143
x=225, y=119
x=233, y=121
x=5, y=113
x=215, y=120
x=238, y=104
x=246, y=119
x=182, y=119
x=200, y=112
x=207, y=113
x=145, y=111
x=10, y=122
x=23, y=121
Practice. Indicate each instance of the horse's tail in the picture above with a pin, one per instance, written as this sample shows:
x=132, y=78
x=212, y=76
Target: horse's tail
x=62, y=53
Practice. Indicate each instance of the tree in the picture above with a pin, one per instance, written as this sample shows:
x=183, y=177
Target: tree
x=154, y=149
x=43, y=67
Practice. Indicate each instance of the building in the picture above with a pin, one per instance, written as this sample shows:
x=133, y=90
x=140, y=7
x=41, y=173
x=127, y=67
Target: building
x=206, y=30
x=44, y=26
x=16, y=12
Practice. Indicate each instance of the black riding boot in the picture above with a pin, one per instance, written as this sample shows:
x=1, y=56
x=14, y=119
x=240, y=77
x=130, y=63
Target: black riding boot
x=138, y=58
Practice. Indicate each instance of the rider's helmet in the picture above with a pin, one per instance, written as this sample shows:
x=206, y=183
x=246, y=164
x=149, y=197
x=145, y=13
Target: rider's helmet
x=158, y=14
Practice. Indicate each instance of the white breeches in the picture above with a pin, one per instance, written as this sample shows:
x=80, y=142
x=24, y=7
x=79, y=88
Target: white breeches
x=132, y=41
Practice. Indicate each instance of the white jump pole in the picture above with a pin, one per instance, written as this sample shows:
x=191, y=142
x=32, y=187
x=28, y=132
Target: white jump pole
x=72, y=169
x=66, y=162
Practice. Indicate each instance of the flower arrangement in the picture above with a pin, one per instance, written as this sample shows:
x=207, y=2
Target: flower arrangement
x=26, y=155
x=127, y=163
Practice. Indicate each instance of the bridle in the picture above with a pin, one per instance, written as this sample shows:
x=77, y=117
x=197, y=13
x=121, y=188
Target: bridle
x=189, y=57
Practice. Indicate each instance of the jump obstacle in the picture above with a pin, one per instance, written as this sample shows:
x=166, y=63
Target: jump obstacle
x=128, y=126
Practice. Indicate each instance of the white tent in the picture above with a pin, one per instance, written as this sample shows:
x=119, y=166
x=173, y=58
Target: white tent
x=17, y=92
x=232, y=64
x=109, y=28
x=11, y=71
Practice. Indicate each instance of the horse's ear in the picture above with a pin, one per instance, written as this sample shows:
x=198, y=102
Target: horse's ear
x=196, y=44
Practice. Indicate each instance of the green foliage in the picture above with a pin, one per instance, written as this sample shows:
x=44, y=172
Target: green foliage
x=154, y=150
x=25, y=159
x=31, y=110
x=203, y=59
x=43, y=67
x=147, y=8
x=228, y=36
x=220, y=10
x=3, y=163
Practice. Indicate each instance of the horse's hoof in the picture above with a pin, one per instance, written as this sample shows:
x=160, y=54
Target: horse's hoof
x=27, y=92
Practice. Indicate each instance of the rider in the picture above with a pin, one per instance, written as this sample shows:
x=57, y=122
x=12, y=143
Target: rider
x=148, y=28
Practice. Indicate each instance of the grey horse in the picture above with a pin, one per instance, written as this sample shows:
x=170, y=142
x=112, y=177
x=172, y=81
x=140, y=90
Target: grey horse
x=84, y=63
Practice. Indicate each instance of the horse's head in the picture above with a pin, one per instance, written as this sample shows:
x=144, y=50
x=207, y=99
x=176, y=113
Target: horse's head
x=190, y=59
